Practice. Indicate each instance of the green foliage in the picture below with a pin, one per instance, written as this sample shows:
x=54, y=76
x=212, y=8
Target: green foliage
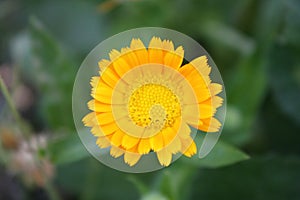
x=45, y=63
x=255, y=44
x=222, y=154
x=67, y=149
x=268, y=177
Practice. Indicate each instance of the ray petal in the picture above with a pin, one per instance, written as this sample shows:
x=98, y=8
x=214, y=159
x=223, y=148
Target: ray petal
x=144, y=146
x=117, y=137
x=129, y=142
x=131, y=158
x=90, y=119
x=116, y=151
x=103, y=142
x=157, y=142
x=164, y=157
x=103, y=64
x=155, y=51
x=191, y=149
x=210, y=125
x=174, y=59
x=139, y=50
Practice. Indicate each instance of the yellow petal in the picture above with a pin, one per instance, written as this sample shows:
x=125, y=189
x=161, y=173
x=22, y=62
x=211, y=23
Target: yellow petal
x=206, y=111
x=210, y=125
x=102, y=99
x=102, y=93
x=103, y=64
x=105, y=118
x=155, y=51
x=167, y=45
x=215, y=88
x=99, y=132
x=191, y=150
x=110, y=77
x=139, y=50
x=194, y=75
x=144, y=146
x=96, y=131
x=168, y=135
x=157, y=142
x=197, y=82
x=90, y=119
x=130, y=57
x=128, y=126
x=117, y=137
x=202, y=94
x=175, y=146
x=190, y=114
x=215, y=101
x=103, y=142
x=164, y=157
x=98, y=106
x=116, y=152
x=128, y=141
x=131, y=158
x=119, y=64
x=188, y=147
x=94, y=81
x=174, y=59
x=102, y=89
x=109, y=128
x=184, y=131
x=201, y=64
x=171, y=141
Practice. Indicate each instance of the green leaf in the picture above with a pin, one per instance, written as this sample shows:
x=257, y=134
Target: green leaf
x=45, y=63
x=285, y=81
x=246, y=90
x=67, y=149
x=175, y=181
x=81, y=26
x=142, y=188
x=264, y=177
x=291, y=24
x=227, y=36
x=154, y=196
x=222, y=154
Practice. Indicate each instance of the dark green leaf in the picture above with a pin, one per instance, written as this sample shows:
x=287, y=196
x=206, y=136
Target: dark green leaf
x=222, y=154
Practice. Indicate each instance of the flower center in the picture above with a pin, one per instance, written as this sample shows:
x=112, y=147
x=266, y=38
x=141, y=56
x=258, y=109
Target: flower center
x=154, y=105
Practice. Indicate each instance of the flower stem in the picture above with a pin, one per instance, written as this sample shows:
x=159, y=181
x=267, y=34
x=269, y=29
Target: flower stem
x=12, y=107
x=53, y=195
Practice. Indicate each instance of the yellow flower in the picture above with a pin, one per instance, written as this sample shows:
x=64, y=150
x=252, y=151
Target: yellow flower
x=145, y=101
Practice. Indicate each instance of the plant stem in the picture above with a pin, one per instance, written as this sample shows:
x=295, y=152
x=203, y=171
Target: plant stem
x=53, y=195
x=12, y=108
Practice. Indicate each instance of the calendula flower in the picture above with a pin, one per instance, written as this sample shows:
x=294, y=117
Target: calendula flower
x=145, y=101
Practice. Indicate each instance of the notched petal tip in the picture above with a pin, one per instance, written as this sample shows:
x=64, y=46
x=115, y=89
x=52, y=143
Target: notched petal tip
x=215, y=88
x=94, y=81
x=156, y=43
x=136, y=44
x=116, y=151
x=164, y=157
x=103, y=64
x=88, y=120
x=114, y=54
x=191, y=150
x=131, y=158
x=168, y=45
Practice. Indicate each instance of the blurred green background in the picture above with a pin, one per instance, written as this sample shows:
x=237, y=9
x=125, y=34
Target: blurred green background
x=255, y=44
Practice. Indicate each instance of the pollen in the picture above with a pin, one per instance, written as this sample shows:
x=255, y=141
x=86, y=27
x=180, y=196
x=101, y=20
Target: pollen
x=154, y=105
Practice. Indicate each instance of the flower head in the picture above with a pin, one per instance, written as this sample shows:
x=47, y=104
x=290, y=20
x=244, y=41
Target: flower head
x=145, y=101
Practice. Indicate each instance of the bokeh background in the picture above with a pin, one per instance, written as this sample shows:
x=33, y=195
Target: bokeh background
x=255, y=44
